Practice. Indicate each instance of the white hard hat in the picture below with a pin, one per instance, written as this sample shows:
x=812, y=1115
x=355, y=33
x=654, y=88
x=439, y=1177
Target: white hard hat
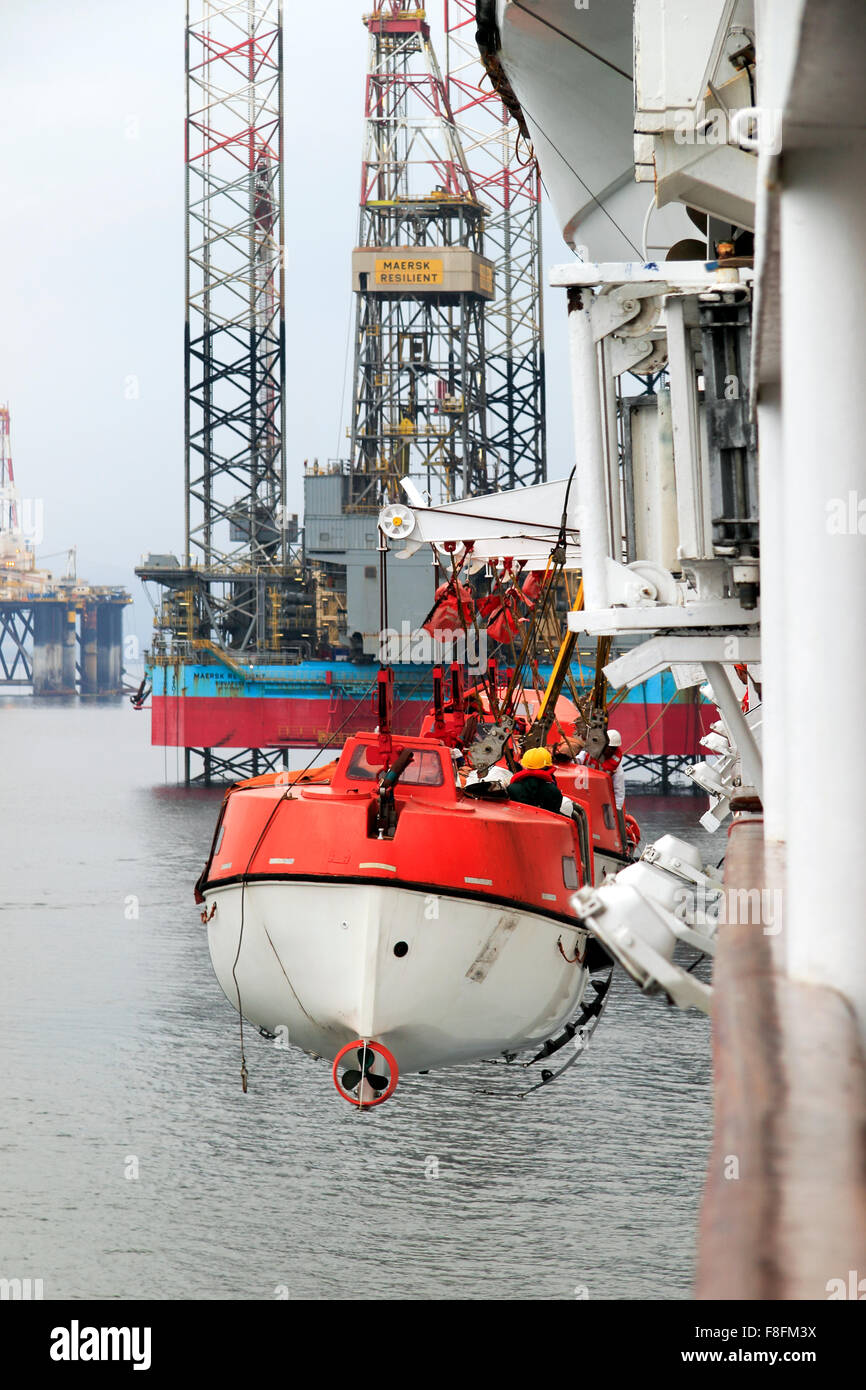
x=614, y=738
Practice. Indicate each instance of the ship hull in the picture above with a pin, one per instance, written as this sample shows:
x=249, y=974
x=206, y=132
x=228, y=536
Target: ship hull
x=316, y=703
x=317, y=967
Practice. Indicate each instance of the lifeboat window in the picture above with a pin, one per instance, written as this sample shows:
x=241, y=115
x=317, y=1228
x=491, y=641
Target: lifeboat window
x=607, y=812
x=569, y=871
x=425, y=769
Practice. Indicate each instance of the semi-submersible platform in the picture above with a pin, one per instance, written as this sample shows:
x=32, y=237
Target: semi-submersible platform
x=58, y=636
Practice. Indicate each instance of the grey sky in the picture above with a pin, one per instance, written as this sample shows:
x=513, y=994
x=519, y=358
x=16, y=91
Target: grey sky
x=91, y=249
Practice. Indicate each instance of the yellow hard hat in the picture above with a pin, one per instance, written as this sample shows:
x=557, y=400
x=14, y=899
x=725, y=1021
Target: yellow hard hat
x=536, y=757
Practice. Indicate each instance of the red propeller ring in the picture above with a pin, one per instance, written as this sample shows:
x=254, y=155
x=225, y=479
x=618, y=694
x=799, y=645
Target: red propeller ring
x=380, y=1051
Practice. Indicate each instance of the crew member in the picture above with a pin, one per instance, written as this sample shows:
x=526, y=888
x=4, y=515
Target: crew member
x=611, y=762
x=535, y=784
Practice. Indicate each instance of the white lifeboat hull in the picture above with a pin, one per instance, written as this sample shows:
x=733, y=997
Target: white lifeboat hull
x=317, y=965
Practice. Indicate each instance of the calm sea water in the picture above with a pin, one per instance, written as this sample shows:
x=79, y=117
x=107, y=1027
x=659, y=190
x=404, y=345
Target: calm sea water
x=120, y=1056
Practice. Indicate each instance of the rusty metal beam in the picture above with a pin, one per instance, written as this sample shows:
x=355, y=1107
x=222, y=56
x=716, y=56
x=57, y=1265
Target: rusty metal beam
x=784, y=1207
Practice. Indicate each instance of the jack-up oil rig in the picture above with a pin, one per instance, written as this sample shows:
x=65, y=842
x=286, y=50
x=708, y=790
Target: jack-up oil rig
x=263, y=642
x=266, y=632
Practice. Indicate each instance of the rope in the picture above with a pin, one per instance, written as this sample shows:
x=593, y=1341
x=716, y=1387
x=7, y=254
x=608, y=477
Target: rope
x=349, y=317
x=571, y=39
x=506, y=608
x=650, y=727
x=488, y=684
x=256, y=848
x=572, y=960
x=550, y=574
x=585, y=185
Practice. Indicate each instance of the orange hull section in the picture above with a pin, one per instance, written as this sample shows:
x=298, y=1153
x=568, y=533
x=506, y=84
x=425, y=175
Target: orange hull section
x=322, y=825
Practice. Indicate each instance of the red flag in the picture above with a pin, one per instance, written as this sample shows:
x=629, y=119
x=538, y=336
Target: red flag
x=503, y=627
x=532, y=587
x=452, y=612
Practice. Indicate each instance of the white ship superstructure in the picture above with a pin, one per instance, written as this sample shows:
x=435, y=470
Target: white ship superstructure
x=707, y=168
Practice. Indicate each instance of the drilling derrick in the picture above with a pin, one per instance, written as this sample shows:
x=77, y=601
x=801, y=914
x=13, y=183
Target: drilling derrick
x=237, y=586
x=235, y=466
x=239, y=596
x=422, y=281
x=506, y=178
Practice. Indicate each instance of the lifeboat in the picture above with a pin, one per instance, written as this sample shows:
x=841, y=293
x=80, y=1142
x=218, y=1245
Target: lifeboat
x=413, y=915
x=612, y=837
x=377, y=913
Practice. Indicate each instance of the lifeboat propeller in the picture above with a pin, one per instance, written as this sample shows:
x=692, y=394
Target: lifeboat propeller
x=360, y=1085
